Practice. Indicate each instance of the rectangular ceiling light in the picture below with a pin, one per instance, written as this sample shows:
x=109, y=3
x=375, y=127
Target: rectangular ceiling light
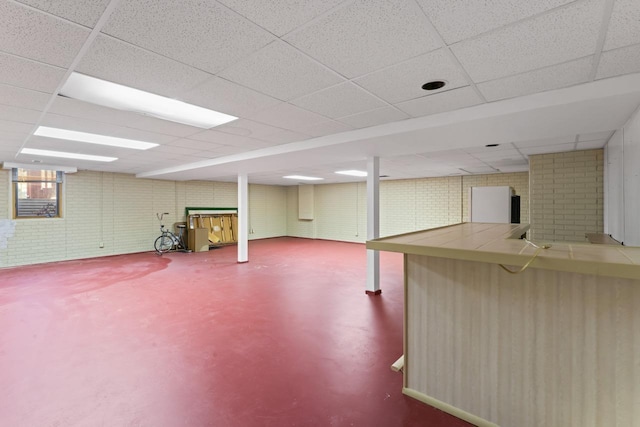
x=92, y=138
x=352, y=173
x=64, y=155
x=303, y=178
x=112, y=95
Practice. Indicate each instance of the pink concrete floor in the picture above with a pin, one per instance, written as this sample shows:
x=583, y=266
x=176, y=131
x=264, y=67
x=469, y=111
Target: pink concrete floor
x=288, y=339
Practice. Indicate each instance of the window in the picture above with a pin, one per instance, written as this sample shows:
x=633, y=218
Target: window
x=36, y=193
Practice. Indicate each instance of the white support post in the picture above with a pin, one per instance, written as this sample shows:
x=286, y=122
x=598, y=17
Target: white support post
x=373, y=225
x=243, y=218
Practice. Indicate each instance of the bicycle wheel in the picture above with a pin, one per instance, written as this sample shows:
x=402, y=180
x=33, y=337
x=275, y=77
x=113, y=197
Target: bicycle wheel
x=163, y=244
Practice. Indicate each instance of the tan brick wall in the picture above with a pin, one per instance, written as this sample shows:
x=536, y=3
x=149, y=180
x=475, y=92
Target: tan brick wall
x=566, y=195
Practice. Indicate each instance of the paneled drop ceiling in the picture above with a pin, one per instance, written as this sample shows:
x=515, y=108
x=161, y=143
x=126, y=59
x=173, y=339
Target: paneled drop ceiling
x=321, y=85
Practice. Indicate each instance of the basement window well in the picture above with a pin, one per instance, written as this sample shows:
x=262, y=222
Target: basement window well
x=36, y=193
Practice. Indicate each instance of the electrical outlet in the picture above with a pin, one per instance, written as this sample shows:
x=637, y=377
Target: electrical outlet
x=102, y=244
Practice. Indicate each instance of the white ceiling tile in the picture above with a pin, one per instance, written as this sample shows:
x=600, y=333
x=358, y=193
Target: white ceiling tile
x=284, y=136
x=152, y=124
x=206, y=35
x=591, y=145
x=374, y=117
x=85, y=12
x=556, y=148
x=280, y=16
x=281, y=71
x=341, y=100
x=123, y=63
x=366, y=35
x=269, y=134
x=36, y=35
x=192, y=144
x=226, y=139
x=483, y=149
x=490, y=157
x=544, y=142
x=15, y=127
x=595, y=136
x=244, y=127
x=441, y=102
x=287, y=116
x=404, y=81
x=17, y=114
x=568, y=33
x=619, y=61
x=174, y=149
x=326, y=128
x=624, y=26
x=29, y=74
x=549, y=78
x=457, y=20
x=10, y=138
x=25, y=98
x=480, y=170
x=228, y=97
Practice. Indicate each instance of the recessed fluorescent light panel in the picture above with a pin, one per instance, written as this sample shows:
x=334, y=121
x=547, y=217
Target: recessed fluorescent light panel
x=93, y=138
x=113, y=95
x=352, y=173
x=64, y=155
x=303, y=178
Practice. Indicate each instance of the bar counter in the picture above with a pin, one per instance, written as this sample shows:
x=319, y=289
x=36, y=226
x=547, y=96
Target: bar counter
x=555, y=345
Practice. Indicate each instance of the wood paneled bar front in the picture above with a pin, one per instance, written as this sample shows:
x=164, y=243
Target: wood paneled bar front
x=556, y=345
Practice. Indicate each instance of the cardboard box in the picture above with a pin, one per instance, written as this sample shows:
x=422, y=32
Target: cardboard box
x=199, y=239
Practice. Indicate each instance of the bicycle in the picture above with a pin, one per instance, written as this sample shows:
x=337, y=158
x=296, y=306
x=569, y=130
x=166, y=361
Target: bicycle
x=167, y=240
x=49, y=210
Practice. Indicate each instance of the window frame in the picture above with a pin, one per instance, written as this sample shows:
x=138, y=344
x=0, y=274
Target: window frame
x=57, y=183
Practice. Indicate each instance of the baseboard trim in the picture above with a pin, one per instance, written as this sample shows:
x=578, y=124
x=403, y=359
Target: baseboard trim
x=445, y=407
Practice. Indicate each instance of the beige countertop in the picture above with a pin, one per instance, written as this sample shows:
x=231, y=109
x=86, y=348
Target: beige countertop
x=500, y=244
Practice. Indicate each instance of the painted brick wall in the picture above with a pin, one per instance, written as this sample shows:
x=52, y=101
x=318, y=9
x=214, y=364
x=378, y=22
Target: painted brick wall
x=298, y=227
x=405, y=205
x=119, y=211
x=566, y=195
x=338, y=212
x=397, y=207
x=437, y=202
x=267, y=211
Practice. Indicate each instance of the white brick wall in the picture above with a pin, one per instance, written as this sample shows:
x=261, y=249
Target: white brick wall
x=566, y=195
x=119, y=211
x=337, y=212
x=267, y=211
x=405, y=205
x=295, y=226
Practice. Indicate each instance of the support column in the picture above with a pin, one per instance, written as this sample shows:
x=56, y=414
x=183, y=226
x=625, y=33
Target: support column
x=243, y=218
x=373, y=225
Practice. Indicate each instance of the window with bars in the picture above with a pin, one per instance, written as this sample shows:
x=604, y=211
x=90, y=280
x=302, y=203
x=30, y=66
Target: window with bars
x=36, y=193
